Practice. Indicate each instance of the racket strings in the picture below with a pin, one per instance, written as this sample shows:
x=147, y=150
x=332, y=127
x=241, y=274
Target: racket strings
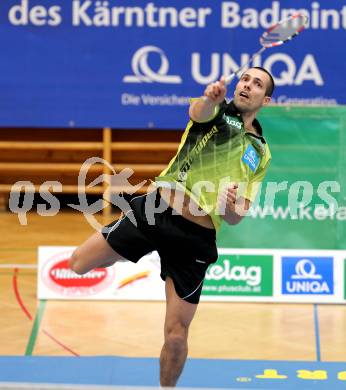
x=283, y=31
x=276, y=35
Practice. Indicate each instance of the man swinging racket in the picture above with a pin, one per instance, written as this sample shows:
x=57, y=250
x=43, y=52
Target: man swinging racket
x=222, y=159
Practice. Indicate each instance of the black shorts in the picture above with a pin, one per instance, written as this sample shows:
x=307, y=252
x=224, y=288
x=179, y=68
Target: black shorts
x=185, y=248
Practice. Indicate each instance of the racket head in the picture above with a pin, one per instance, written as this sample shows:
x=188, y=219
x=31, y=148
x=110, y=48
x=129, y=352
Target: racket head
x=284, y=30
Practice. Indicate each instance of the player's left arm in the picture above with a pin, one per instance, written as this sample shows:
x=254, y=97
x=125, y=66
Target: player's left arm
x=235, y=200
x=232, y=208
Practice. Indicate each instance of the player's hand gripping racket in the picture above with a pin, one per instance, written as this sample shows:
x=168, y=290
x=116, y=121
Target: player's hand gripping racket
x=276, y=35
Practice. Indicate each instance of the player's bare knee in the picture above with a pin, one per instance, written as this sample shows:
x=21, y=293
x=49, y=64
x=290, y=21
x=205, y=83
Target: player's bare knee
x=76, y=264
x=176, y=336
x=176, y=344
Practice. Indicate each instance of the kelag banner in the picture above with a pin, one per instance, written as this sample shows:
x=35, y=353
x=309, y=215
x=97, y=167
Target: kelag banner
x=135, y=64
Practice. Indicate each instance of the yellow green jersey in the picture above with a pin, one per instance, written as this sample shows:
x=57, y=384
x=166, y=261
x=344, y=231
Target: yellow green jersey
x=215, y=153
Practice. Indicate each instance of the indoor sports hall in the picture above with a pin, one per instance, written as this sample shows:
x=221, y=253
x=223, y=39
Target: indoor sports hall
x=108, y=106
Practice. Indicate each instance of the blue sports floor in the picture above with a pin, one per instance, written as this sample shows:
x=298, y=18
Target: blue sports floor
x=202, y=373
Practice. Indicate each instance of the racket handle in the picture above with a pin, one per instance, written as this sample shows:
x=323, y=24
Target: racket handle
x=230, y=78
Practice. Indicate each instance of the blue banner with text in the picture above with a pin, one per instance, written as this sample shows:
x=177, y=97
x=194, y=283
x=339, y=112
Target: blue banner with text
x=131, y=64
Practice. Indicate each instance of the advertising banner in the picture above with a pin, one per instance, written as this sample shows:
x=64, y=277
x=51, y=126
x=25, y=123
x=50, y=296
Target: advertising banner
x=130, y=64
x=253, y=275
x=240, y=275
x=276, y=275
x=123, y=281
x=308, y=275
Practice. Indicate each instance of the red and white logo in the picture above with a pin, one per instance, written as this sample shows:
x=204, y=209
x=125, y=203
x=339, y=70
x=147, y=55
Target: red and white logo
x=58, y=277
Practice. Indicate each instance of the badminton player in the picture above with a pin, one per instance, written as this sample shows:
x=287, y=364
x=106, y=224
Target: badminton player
x=221, y=161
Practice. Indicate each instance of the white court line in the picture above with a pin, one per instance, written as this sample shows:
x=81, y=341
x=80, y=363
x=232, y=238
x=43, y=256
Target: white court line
x=11, y=266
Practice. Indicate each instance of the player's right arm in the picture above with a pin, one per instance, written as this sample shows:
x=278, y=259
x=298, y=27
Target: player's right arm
x=201, y=110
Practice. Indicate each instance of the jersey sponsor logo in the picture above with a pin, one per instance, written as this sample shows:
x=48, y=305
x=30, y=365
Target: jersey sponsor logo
x=232, y=122
x=182, y=176
x=251, y=158
x=307, y=275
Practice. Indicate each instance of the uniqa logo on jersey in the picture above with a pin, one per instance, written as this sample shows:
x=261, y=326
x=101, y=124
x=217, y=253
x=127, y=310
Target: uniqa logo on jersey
x=307, y=275
x=251, y=158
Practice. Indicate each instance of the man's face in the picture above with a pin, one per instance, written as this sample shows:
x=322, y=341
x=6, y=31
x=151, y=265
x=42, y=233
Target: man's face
x=250, y=92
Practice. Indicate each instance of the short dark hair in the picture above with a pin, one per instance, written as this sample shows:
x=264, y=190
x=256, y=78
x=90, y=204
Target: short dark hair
x=271, y=86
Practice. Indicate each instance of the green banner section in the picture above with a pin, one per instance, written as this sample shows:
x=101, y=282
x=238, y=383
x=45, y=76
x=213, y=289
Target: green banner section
x=302, y=202
x=240, y=275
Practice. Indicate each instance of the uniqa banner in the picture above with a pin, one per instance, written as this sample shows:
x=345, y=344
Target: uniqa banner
x=130, y=64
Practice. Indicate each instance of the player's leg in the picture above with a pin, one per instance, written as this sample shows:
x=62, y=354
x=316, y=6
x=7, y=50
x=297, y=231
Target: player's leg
x=121, y=240
x=93, y=253
x=179, y=314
